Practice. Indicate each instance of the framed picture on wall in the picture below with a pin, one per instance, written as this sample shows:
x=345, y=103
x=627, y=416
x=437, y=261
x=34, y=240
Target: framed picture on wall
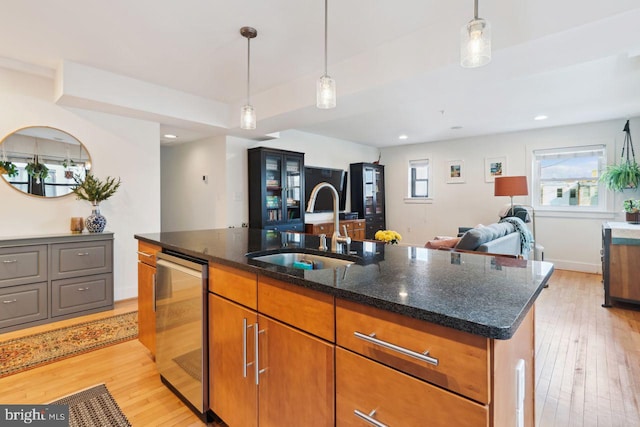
x=494, y=166
x=455, y=172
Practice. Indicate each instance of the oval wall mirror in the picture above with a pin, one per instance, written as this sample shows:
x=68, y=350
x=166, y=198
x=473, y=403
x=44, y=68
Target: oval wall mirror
x=43, y=161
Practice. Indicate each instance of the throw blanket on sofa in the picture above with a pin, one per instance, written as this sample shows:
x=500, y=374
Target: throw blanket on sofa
x=525, y=235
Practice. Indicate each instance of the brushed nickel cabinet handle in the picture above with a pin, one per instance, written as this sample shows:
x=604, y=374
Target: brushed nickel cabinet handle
x=256, y=332
x=83, y=289
x=145, y=254
x=369, y=418
x=83, y=254
x=9, y=301
x=9, y=261
x=420, y=356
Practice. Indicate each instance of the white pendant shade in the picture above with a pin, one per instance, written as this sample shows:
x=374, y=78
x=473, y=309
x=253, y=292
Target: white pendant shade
x=326, y=92
x=248, y=117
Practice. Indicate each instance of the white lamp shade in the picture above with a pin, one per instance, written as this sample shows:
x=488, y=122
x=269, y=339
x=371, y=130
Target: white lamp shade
x=326, y=92
x=475, y=43
x=248, y=117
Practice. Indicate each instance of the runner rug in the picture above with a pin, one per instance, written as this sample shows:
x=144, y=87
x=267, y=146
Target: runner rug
x=29, y=352
x=93, y=407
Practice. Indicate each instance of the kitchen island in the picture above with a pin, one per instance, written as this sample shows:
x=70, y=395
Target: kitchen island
x=402, y=336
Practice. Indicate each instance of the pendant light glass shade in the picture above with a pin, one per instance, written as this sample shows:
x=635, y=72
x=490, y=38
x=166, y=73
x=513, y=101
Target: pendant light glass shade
x=325, y=86
x=326, y=92
x=475, y=42
x=248, y=114
x=248, y=117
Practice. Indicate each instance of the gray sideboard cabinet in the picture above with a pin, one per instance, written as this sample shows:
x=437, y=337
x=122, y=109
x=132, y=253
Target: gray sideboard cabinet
x=48, y=278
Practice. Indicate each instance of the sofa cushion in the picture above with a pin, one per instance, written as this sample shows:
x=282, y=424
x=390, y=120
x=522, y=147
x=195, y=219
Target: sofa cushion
x=479, y=236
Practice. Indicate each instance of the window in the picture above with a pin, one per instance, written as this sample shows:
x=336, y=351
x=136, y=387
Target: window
x=567, y=178
x=419, y=179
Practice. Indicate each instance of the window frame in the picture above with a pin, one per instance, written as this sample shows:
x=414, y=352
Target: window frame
x=411, y=181
x=604, y=201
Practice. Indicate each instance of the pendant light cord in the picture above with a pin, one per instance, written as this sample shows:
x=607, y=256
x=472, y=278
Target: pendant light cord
x=326, y=2
x=475, y=9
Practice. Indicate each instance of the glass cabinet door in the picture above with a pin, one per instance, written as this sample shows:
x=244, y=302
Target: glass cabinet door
x=273, y=178
x=369, y=187
x=293, y=188
x=378, y=187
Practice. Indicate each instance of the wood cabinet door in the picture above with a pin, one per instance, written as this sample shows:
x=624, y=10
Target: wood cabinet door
x=233, y=393
x=623, y=272
x=297, y=377
x=146, y=313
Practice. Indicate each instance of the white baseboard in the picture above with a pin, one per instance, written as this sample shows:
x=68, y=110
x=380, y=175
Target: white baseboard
x=576, y=266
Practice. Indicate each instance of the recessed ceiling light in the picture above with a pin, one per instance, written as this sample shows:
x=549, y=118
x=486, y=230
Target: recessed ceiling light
x=540, y=117
x=403, y=136
x=170, y=136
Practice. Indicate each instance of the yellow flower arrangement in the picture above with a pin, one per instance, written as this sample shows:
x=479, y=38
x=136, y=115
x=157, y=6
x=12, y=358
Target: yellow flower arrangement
x=388, y=236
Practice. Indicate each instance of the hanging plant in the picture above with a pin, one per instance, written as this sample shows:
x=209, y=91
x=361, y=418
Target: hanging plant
x=8, y=168
x=37, y=170
x=626, y=174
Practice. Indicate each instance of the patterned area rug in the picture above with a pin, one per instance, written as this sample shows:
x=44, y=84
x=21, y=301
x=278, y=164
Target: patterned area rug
x=93, y=407
x=29, y=352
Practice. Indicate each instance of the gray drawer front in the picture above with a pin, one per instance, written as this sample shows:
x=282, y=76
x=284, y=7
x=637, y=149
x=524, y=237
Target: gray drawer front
x=82, y=293
x=81, y=259
x=23, y=264
x=23, y=304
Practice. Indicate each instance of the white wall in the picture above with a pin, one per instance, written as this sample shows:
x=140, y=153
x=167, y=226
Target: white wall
x=188, y=201
x=187, y=204
x=118, y=146
x=571, y=242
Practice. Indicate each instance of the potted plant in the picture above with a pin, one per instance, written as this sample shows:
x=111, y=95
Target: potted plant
x=8, y=168
x=632, y=210
x=626, y=174
x=95, y=191
x=622, y=176
x=39, y=171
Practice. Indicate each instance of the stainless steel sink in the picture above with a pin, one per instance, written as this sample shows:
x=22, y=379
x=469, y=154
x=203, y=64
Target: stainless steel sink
x=303, y=261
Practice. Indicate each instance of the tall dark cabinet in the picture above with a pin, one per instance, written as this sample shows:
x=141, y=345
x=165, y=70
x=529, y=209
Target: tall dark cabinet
x=367, y=195
x=276, y=189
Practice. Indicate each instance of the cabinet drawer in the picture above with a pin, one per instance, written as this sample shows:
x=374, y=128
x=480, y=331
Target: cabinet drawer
x=398, y=399
x=81, y=259
x=23, y=304
x=147, y=253
x=23, y=264
x=237, y=285
x=462, y=358
x=82, y=293
x=303, y=308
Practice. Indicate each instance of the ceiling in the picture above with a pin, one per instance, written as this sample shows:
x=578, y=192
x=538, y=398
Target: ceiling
x=396, y=63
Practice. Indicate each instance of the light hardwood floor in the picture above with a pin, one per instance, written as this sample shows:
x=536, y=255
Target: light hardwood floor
x=587, y=365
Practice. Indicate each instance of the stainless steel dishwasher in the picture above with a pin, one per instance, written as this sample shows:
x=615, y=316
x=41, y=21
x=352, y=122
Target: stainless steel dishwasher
x=181, y=328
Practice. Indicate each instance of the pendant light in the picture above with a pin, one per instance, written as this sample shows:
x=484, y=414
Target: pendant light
x=325, y=86
x=248, y=114
x=475, y=41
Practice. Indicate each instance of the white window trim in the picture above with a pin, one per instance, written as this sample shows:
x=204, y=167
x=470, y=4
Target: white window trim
x=420, y=200
x=603, y=211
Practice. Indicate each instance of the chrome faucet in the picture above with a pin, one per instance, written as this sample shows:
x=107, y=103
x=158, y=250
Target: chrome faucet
x=336, y=238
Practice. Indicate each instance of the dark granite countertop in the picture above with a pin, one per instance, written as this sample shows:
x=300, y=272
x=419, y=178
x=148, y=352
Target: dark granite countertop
x=484, y=295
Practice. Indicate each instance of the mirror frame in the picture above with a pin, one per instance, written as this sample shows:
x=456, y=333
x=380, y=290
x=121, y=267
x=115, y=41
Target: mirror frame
x=78, y=163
